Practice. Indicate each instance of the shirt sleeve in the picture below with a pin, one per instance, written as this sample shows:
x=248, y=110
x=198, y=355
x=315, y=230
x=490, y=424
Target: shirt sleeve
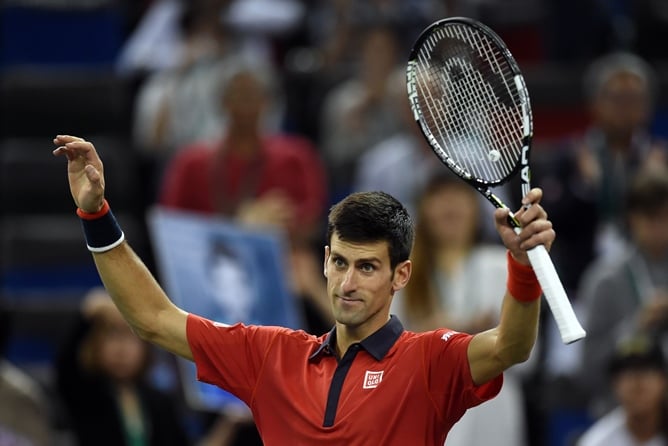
x=449, y=374
x=229, y=356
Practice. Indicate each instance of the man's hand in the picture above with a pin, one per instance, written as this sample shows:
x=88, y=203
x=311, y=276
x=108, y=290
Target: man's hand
x=274, y=208
x=84, y=171
x=536, y=228
x=653, y=316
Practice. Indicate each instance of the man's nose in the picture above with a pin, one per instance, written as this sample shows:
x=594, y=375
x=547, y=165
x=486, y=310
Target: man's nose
x=349, y=283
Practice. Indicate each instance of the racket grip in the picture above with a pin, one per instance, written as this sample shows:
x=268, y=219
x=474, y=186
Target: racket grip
x=562, y=310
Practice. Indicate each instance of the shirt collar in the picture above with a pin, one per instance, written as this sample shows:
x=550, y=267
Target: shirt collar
x=376, y=344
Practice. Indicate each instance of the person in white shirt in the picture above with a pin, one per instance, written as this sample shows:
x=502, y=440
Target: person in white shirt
x=639, y=381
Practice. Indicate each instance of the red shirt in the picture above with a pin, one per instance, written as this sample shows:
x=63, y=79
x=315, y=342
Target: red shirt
x=203, y=174
x=393, y=388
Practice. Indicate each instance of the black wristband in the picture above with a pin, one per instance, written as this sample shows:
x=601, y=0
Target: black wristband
x=103, y=232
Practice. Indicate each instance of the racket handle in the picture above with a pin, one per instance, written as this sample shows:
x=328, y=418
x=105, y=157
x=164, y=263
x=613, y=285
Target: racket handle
x=567, y=323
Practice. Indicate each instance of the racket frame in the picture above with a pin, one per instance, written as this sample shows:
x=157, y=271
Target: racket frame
x=567, y=323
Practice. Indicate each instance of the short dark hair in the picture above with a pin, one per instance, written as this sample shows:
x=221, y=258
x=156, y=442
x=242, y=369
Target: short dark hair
x=636, y=351
x=648, y=192
x=364, y=217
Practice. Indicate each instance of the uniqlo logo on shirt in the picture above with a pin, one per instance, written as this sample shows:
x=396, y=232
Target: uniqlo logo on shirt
x=372, y=379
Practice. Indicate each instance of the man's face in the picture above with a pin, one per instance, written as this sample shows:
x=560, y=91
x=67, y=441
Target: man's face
x=650, y=232
x=244, y=100
x=622, y=106
x=360, y=283
x=121, y=354
x=451, y=215
x=641, y=392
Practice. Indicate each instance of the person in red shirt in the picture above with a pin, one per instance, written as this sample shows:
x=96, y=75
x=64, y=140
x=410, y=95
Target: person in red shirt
x=253, y=177
x=368, y=381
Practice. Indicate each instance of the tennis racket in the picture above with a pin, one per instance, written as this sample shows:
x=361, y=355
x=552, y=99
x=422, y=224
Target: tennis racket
x=471, y=103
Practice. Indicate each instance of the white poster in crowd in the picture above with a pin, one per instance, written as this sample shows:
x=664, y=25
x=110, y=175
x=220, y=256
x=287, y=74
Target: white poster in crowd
x=215, y=269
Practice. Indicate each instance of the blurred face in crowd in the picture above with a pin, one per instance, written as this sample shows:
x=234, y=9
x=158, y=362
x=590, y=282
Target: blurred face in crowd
x=641, y=391
x=650, y=231
x=450, y=215
x=121, y=355
x=244, y=100
x=622, y=106
x=378, y=54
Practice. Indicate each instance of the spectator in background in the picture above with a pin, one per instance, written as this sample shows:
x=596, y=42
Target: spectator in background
x=587, y=176
x=261, y=179
x=405, y=146
x=448, y=289
x=178, y=105
x=360, y=112
x=637, y=372
x=101, y=381
x=631, y=292
x=24, y=408
x=377, y=168
x=332, y=25
x=181, y=104
x=324, y=50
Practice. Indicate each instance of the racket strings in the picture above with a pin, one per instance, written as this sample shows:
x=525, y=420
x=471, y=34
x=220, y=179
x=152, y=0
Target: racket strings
x=469, y=102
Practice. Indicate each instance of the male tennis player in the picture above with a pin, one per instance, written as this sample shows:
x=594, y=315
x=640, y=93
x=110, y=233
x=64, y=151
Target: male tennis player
x=366, y=382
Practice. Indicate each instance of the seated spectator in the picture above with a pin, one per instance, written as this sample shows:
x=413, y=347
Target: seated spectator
x=631, y=291
x=179, y=104
x=588, y=175
x=405, y=146
x=359, y=112
x=268, y=180
x=637, y=372
x=24, y=408
x=102, y=384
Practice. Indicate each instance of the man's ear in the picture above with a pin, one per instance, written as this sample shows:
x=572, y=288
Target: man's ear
x=324, y=263
x=402, y=273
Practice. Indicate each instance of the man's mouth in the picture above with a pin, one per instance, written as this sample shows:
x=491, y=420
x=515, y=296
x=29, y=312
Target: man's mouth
x=349, y=299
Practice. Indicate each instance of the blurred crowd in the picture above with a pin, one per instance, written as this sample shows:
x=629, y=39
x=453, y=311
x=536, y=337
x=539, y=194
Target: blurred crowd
x=266, y=112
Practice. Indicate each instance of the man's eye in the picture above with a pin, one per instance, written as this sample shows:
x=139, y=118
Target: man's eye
x=367, y=267
x=338, y=263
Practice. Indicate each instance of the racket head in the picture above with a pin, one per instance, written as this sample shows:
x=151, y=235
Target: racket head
x=470, y=101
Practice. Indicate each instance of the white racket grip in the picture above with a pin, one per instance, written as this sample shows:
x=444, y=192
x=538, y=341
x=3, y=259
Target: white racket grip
x=567, y=323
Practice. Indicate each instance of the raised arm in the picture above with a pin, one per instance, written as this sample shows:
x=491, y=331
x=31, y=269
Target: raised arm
x=133, y=289
x=511, y=341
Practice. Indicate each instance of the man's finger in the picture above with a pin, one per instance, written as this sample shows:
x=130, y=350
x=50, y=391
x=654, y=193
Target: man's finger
x=532, y=197
x=63, y=139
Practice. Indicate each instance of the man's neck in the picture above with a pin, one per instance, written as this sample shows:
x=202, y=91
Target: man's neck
x=243, y=143
x=449, y=258
x=645, y=427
